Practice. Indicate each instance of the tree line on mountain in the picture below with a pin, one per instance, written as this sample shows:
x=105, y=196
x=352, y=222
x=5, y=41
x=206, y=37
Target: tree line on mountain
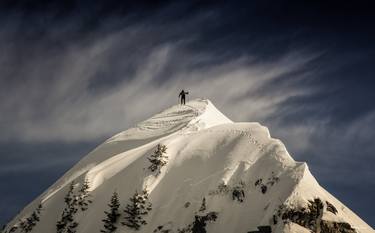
x=79, y=201
x=133, y=213
x=139, y=205
x=74, y=203
x=27, y=224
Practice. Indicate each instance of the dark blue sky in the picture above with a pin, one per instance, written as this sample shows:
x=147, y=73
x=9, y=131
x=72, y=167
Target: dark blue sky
x=73, y=73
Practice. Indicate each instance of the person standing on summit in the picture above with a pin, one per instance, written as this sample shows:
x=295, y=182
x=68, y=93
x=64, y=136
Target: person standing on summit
x=182, y=96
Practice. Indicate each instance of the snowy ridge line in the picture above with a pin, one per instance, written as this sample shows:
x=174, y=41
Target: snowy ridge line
x=117, y=163
x=246, y=133
x=53, y=190
x=97, y=168
x=50, y=193
x=152, y=124
x=210, y=166
x=110, y=167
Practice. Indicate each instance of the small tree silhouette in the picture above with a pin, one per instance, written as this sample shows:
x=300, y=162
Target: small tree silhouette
x=158, y=159
x=13, y=229
x=67, y=223
x=112, y=215
x=203, y=205
x=84, y=196
x=200, y=222
x=136, y=209
x=27, y=225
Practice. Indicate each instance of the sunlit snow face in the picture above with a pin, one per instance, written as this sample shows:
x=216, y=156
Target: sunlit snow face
x=68, y=83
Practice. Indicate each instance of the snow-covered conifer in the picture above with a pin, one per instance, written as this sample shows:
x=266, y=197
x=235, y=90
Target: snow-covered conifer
x=203, y=206
x=136, y=210
x=84, y=196
x=26, y=225
x=67, y=224
x=158, y=159
x=112, y=215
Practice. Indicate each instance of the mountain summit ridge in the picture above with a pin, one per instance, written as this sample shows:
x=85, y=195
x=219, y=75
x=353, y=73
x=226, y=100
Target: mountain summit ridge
x=213, y=175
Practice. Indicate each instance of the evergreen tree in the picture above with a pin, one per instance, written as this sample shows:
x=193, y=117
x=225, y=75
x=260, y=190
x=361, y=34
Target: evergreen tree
x=203, y=206
x=112, y=215
x=13, y=229
x=27, y=225
x=158, y=159
x=84, y=196
x=200, y=222
x=134, y=212
x=67, y=224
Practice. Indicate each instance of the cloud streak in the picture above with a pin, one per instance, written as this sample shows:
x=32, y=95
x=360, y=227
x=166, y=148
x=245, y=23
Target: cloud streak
x=59, y=99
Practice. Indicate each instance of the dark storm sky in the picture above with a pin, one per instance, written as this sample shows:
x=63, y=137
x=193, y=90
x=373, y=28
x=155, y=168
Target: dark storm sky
x=73, y=73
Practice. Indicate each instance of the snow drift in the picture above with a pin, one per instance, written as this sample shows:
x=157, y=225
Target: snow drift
x=217, y=176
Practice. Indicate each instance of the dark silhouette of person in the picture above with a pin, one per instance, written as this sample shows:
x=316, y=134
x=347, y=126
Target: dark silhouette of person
x=182, y=96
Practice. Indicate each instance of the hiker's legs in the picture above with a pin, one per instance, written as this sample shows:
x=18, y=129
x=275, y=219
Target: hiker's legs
x=183, y=100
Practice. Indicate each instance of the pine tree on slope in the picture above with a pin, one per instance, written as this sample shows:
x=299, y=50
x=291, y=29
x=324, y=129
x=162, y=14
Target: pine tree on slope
x=84, y=196
x=29, y=223
x=134, y=212
x=203, y=206
x=158, y=159
x=67, y=224
x=112, y=215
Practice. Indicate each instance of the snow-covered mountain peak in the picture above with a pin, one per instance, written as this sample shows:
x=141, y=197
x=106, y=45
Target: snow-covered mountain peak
x=195, y=115
x=190, y=169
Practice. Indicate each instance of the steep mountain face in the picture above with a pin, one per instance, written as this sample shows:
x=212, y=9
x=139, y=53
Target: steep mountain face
x=188, y=169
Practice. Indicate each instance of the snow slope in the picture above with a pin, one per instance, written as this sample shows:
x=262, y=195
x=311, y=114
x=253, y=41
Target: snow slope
x=205, y=151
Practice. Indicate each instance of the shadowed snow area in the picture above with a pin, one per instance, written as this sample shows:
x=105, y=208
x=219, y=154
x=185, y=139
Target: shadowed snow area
x=243, y=174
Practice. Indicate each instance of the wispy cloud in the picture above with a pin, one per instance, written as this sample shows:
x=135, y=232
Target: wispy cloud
x=92, y=90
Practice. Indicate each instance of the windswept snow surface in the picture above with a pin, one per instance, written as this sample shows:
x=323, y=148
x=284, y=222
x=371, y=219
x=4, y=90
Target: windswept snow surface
x=205, y=149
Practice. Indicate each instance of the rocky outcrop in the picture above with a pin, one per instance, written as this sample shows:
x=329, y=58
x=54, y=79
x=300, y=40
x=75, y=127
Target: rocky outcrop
x=336, y=227
x=311, y=218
